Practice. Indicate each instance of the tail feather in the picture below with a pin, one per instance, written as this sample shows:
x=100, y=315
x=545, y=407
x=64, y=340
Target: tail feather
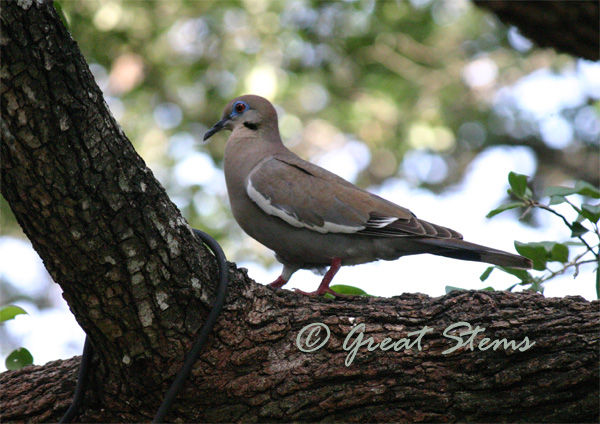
x=460, y=249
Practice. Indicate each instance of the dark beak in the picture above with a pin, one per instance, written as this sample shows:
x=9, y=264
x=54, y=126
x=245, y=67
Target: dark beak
x=215, y=129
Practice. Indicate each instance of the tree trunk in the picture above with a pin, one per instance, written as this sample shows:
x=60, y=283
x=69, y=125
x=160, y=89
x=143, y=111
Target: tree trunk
x=140, y=285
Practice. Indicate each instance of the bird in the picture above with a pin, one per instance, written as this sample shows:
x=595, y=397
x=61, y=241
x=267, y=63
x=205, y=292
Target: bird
x=312, y=218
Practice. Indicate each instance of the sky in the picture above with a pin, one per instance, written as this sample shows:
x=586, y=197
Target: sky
x=53, y=333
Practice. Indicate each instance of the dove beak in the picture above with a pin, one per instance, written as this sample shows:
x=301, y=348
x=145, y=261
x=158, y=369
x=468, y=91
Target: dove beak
x=216, y=128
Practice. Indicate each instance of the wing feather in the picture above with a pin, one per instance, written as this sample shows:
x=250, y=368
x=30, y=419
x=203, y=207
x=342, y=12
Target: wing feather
x=305, y=195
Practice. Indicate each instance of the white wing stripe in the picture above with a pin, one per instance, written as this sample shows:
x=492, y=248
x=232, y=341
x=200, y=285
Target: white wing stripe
x=265, y=204
x=380, y=222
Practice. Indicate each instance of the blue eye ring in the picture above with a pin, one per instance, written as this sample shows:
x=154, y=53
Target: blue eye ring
x=239, y=108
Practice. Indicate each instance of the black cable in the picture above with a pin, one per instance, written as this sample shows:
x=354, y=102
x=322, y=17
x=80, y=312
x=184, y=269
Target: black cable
x=186, y=368
x=84, y=367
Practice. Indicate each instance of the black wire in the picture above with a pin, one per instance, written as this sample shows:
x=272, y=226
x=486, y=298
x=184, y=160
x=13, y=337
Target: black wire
x=186, y=368
x=84, y=367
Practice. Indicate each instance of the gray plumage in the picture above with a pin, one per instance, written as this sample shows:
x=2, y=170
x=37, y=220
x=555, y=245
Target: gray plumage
x=313, y=219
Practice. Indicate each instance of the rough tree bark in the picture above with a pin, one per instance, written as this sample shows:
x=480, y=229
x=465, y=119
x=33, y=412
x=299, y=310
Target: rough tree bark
x=567, y=26
x=140, y=285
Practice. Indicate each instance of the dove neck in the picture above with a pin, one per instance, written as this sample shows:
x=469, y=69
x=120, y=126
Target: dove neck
x=242, y=154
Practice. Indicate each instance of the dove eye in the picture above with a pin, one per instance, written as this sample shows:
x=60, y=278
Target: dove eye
x=239, y=107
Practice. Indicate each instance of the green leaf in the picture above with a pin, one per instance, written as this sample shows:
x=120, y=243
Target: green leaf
x=518, y=184
x=557, y=200
x=536, y=287
x=581, y=187
x=483, y=276
x=559, y=253
x=598, y=282
x=512, y=287
x=586, y=189
x=18, y=359
x=503, y=208
x=10, y=312
x=452, y=288
x=542, y=252
x=591, y=212
x=577, y=229
x=61, y=13
x=351, y=290
x=559, y=191
x=537, y=252
x=521, y=274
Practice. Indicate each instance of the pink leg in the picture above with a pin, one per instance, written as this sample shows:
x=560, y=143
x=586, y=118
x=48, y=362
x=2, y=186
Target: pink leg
x=279, y=283
x=285, y=276
x=336, y=263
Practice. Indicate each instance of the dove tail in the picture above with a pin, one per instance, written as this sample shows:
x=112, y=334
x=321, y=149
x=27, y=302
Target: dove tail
x=459, y=249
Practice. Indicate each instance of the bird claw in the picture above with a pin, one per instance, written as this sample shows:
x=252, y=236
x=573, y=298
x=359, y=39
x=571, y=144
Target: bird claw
x=279, y=283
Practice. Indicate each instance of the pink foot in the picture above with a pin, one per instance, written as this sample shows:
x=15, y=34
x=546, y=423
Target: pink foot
x=336, y=263
x=279, y=283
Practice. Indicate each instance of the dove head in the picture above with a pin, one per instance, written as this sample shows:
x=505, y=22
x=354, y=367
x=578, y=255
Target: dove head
x=247, y=114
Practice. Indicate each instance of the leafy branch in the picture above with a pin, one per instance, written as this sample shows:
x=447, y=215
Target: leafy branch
x=19, y=357
x=541, y=253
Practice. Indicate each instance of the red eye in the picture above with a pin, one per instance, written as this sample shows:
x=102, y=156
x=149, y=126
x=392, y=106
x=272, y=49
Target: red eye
x=240, y=107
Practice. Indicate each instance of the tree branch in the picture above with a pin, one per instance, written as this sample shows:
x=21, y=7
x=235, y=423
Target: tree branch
x=567, y=26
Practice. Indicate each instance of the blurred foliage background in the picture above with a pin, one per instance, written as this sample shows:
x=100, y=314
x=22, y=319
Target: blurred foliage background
x=376, y=89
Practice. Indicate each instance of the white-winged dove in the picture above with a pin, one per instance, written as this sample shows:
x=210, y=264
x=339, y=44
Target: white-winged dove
x=314, y=219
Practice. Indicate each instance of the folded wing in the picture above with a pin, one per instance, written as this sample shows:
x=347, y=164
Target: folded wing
x=308, y=196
